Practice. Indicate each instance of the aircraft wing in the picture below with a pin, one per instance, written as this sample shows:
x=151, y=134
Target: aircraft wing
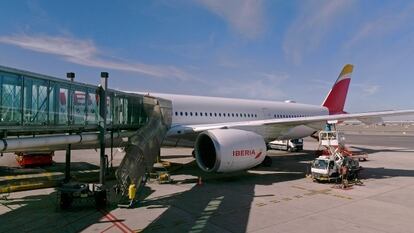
x=367, y=117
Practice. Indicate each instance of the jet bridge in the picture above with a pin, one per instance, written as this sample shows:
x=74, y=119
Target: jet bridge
x=43, y=113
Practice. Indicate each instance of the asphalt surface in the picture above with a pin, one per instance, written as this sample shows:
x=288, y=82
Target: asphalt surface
x=275, y=199
x=381, y=140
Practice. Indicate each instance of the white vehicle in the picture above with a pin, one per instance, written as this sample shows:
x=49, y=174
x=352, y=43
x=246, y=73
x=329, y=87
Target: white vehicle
x=324, y=168
x=289, y=145
x=231, y=134
x=327, y=168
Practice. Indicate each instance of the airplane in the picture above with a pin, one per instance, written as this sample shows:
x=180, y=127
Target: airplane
x=231, y=134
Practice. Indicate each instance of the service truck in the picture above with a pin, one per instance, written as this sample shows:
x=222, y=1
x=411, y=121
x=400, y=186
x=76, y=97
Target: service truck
x=289, y=145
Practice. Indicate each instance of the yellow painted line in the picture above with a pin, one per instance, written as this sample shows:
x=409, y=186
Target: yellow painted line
x=41, y=180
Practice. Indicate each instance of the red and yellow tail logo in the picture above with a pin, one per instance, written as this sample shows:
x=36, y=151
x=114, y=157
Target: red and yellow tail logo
x=335, y=100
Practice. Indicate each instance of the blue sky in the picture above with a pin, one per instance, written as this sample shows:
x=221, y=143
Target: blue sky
x=273, y=50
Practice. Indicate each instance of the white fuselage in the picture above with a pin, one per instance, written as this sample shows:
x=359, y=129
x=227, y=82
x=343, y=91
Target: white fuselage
x=198, y=110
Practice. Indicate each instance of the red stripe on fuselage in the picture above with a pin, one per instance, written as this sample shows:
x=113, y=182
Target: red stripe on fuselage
x=258, y=155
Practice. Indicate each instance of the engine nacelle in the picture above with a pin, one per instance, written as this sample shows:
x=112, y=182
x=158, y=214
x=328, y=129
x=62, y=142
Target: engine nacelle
x=228, y=150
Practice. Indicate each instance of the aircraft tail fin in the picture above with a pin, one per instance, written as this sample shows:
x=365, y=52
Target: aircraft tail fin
x=335, y=100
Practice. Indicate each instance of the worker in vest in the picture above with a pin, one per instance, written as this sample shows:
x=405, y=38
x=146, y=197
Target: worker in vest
x=344, y=175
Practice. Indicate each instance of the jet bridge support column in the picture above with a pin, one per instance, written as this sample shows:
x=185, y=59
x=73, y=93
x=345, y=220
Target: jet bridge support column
x=102, y=125
x=71, y=77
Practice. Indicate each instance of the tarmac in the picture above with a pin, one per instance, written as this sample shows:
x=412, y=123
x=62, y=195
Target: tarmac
x=275, y=199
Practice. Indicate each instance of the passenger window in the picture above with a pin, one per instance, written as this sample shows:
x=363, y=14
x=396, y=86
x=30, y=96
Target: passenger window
x=186, y=114
x=205, y=114
x=201, y=114
x=191, y=113
x=196, y=114
x=211, y=114
x=219, y=114
x=215, y=114
x=176, y=113
x=181, y=113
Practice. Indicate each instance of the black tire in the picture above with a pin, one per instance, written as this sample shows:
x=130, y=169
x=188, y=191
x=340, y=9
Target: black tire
x=65, y=201
x=267, y=162
x=100, y=199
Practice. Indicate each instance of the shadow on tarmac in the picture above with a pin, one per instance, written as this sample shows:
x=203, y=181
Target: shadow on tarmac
x=383, y=173
x=223, y=202
x=373, y=151
x=41, y=213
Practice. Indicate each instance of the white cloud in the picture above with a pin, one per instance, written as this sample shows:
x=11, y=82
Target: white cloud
x=84, y=52
x=245, y=16
x=263, y=86
x=387, y=23
x=315, y=20
x=367, y=89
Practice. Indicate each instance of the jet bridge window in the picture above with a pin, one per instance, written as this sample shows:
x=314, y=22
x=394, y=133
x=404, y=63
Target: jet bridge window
x=36, y=96
x=11, y=98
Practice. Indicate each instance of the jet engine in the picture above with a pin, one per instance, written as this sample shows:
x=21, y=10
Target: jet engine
x=229, y=150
